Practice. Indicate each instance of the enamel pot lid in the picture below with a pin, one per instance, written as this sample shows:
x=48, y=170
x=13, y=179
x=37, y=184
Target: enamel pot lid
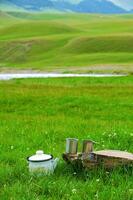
x=40, y=157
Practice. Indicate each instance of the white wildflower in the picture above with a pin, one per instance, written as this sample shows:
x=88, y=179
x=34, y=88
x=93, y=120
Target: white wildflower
x=74, y=191
x=96, y=195
x=114, y=134
x=131, y=191
x=12, y=147
x=97, y=180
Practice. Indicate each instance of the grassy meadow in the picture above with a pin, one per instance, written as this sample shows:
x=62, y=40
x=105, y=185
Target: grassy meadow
x=41, y=113
x=66, y=42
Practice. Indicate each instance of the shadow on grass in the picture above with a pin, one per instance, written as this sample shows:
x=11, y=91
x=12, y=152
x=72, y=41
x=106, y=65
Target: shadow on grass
x=79, y=172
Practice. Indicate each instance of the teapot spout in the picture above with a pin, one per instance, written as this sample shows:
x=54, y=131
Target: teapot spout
x=55, y=162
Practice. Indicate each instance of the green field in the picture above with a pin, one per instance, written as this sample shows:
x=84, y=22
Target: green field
x=41, y=113
x=66, y=42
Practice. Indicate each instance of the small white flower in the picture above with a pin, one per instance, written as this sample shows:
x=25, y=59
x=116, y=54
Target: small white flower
x=131, y=191
x=12, y=147
x=74, y=191
x=96, y=195
x=97, y=180
x=114, y=134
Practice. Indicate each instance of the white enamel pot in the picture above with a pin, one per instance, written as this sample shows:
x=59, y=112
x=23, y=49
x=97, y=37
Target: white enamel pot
x=42, y=163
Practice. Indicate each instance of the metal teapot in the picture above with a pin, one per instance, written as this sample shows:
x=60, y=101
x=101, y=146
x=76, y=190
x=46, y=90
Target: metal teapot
x=42, y=163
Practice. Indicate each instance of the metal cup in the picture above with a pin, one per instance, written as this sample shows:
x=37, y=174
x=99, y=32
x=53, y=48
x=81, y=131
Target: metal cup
x=87, y=146
x=71, y=145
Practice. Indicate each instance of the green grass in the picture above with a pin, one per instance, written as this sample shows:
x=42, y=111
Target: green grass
x=51, y=42
x=41, y=113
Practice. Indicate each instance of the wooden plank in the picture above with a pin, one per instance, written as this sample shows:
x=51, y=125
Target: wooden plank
x=114, y=154
x=106, y=158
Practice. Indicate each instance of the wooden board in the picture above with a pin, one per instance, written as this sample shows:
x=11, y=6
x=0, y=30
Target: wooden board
x=114, y=154
x=106, y=158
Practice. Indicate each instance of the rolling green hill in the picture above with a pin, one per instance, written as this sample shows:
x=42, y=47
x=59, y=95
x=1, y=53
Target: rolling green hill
x=7, y=19
x=66, y=41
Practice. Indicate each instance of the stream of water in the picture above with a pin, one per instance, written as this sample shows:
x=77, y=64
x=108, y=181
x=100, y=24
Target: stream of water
x=7, y=76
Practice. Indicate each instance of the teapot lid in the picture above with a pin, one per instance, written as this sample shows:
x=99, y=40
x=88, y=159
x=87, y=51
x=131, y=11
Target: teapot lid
x=40, y=157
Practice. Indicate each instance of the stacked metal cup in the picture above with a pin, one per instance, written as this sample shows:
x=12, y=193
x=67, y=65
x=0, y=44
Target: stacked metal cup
x=87, y=146
x=87, y=149
x=71, y=146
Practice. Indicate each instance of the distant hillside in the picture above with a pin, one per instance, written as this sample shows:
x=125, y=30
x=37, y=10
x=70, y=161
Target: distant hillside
x=97, y=6
x=125, y=4
x=49, y=41
x=85, y=6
